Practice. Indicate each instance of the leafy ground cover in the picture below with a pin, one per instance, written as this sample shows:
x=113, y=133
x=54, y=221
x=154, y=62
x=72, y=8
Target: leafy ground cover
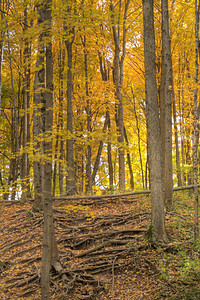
x=102, y=249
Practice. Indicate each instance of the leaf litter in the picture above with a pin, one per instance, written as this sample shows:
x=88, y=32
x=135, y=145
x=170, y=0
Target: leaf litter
x=102, y=249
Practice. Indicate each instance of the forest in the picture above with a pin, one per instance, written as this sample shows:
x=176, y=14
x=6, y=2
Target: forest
x=99, y=157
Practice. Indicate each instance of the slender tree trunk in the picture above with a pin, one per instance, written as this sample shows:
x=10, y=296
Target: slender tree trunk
x=70, y=181
x=118, y=81
x=55, y=160
x=105, y=78
x=61, y=97
x=158, y=233
x=129, y=160
x=16, y=125
x=148, y=170
x=139, y=142
x=12, y=166
x=109, y=151
x=168, y=86
x=25, y=119
x=2, y=34
x=188, y=158
x=181, y=109
x=37, y=121
x=89, y=128
x=97, y=160
x=177, y=144
x=196, y=118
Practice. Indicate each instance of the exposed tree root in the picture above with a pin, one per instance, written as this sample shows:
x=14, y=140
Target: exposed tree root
x=86, y=249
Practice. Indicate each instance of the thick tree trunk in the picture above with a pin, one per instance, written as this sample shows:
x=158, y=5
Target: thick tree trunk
x=168, y=86
x=49, y=247
x=152, y=113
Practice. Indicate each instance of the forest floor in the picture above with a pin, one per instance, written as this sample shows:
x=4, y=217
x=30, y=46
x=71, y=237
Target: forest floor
x=102, y=249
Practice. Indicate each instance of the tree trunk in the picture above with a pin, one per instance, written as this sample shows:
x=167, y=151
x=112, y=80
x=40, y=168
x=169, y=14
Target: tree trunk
x=168, y=86
x=129, y=160
x=89, y=128
x=158, y=233
x=105, y=77
x=109, y=151
x=118, y=80
x=37, y=121
x=181, y=109
x=49, y=247
x=15, y=126
x=178, y=171
x=97, y=160
x=2, y=34
x=25, y=119
x=139, y=144
x=61, y=98
x=196, y=118
x=70, y=180
x=55, y=160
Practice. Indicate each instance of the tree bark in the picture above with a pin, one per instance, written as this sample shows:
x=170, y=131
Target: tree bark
x=49, y=247
x=196, y=118
x=158, y=233
x=89, y=128
x=129, y=160
x=118, y=81
x=26, y=117
x=70, y=180
x=2, y=34
x=15, y=126
x=61, y=98
x=97, y=160
x=139, y=142
x=105, y=77
x=38, y=98
x=168, y=87
x=109, y=150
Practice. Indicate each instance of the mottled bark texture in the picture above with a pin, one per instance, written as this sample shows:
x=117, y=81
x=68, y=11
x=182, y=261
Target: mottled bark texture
x=152, y=114
x=167, y=103
x=196, y=118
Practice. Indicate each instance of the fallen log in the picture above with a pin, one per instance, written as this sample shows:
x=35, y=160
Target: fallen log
x=144, y=192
